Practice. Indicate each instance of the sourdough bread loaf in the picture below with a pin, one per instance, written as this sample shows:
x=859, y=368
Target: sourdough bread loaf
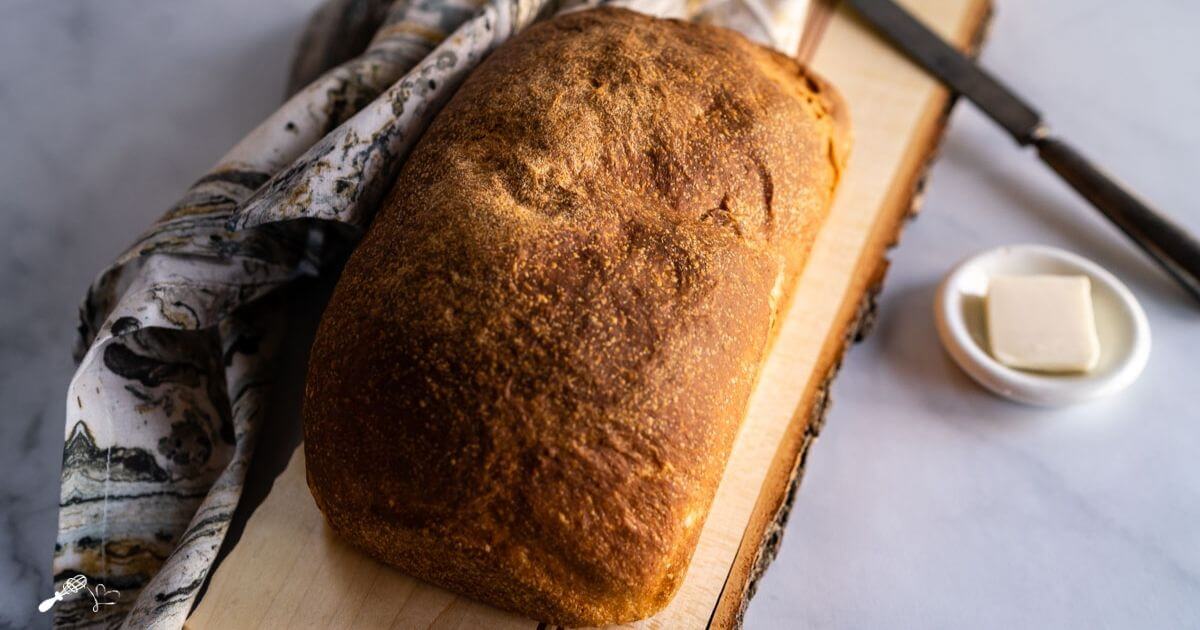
x=530, y=375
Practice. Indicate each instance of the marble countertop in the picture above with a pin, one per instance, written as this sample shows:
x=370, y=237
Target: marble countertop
x=927, y=503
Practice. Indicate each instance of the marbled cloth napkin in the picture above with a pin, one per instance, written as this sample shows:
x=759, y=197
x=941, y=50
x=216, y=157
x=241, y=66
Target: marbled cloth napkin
x=176, y=346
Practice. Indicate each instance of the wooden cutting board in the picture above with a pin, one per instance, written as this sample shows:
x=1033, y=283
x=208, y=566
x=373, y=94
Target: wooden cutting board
x=288, y=570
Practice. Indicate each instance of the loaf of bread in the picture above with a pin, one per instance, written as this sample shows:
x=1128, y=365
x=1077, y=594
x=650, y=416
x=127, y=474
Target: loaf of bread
x=529, y=378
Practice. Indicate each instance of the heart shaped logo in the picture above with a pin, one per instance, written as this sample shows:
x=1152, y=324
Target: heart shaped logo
x=101, y=596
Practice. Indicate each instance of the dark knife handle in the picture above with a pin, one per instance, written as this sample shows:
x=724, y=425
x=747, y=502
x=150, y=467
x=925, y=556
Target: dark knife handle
x=1168, y=244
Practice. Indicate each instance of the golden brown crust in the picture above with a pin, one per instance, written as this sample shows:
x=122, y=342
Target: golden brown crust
x=528, y=380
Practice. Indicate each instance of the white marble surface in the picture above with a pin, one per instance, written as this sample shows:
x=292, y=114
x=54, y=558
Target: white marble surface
x=927, y=504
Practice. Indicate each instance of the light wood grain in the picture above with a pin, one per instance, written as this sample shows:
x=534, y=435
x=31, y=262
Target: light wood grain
x=898, y=116
x=288, y=571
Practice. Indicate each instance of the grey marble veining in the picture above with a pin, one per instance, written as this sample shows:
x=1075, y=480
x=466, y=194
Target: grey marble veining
x=927, y=503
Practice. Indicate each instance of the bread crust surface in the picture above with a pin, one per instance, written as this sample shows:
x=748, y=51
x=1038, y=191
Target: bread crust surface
x=531, y=373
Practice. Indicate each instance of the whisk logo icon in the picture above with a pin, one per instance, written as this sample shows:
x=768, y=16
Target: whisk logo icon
x=100, y=594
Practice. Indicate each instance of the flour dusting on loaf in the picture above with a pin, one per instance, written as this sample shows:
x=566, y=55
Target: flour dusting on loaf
x=529, y=378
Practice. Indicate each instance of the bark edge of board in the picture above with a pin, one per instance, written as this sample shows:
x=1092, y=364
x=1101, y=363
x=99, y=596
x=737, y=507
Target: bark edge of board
x=751, y=563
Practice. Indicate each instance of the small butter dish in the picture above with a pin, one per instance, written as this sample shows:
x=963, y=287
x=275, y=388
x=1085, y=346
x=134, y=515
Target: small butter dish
x=1121, y=327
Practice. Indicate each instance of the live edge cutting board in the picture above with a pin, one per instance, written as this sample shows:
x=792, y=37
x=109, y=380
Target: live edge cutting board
x=289, y=571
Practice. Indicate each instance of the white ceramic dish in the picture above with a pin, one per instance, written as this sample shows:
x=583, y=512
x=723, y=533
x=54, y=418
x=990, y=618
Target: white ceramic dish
x=1120, y=323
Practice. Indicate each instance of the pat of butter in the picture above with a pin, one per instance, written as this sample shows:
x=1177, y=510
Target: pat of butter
x=1042, y=323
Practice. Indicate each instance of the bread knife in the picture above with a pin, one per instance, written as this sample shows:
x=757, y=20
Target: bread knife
x=1163, y=240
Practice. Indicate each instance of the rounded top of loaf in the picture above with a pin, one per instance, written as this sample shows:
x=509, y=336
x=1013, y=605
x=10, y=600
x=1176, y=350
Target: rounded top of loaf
x=531, y=372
